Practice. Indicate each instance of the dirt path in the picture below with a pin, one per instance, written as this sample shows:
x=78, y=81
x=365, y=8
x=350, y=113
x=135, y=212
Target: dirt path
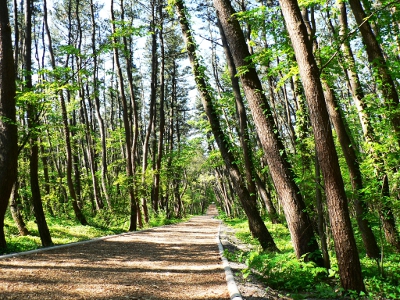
x=178, y=262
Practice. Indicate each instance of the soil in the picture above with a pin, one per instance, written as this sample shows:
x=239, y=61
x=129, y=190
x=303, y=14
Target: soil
x=177, y=262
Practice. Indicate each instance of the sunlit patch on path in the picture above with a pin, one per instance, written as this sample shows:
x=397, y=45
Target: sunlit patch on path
x=173, y=262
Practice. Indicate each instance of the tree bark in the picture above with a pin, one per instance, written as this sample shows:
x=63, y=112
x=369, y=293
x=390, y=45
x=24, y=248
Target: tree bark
x=256, y=224
x=352, y=161
x=99, y=117
x=345, y=245
x=386, y=215
x=254, y=182
x=153, y=94
x=378, y=62
x=16, y=212
x=129, y=170
x=8, y=128
x=320, y=216
x=161, y=129
x=299, y=223
x=33, y=123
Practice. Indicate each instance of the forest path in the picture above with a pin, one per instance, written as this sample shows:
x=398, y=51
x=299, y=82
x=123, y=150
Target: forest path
x=179, y=262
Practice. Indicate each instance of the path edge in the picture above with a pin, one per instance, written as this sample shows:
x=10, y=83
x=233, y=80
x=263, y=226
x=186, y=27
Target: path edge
x=59, y=246
x=233, y=290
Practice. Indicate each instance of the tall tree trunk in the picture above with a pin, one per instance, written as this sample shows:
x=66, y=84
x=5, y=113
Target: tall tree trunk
x=129, y=171
x=320, y=216
x=345, y=245
x=134, y=106
x=78, y=213
x=378, y=62
x=253, y=180
x=256, y=224
x=161, y=129
x=91, y=149
x=386, y=215
x=349, y=152
x=33, y=123
x=8, y=128
x=153, y=94
x=299, y=223
x=70, y=183
x=99, y=117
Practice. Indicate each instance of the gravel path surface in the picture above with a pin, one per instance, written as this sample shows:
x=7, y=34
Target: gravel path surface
x=177, y=262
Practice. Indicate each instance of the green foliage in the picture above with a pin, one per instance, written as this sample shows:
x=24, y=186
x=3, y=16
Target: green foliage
x=63, y=231
x=66, y=230
x=284, y=272
x=161, y=218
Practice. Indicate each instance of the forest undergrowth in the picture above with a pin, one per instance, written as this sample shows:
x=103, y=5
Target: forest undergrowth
x=66, y=229
x=304, y=280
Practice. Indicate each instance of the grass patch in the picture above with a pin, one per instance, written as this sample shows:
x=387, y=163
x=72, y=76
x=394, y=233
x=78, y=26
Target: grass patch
x=65, y=231
x=299, y=279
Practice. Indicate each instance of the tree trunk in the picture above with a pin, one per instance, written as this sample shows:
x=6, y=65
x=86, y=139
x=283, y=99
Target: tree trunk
x=345, y=245
x=253, y=180
x=349, y=152
x=32, y=125
x=256, y=224
x=16, y=212
x=378, y=62
x=161, y=116
x=70, y=183
x=129, y=171
x=153, y=93
x=299, y=223
x=99, y=117
x=78, y=214
x=321, y=218
x=134, y=106
x=386, y=215
x=8, y=129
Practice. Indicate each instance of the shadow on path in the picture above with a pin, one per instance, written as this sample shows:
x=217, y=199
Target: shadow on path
x=175, y=262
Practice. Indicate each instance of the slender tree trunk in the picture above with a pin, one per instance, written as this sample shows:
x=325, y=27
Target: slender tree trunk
x=386, y=214
x=129, y=171
x=91, y=149
x=99, y=117
x=16, y=212
x=153, y=94
x=266, y=198
x=78, y=213
x=345, y=245
x=134, y=106
x=256, y=224
x=378, y=62
x=253, y=180
x=70, y=183
x=161, y=116
x=8, y=129
x=349, y=152
x=321, y=218
x=33, y=123
x=299, y=223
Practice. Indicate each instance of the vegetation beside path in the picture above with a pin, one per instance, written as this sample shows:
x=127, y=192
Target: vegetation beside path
x=64, y=231
x=300, y=280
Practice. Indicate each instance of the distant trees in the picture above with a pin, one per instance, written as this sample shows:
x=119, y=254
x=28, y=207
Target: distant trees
x=247, y=200
x=83, y=110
